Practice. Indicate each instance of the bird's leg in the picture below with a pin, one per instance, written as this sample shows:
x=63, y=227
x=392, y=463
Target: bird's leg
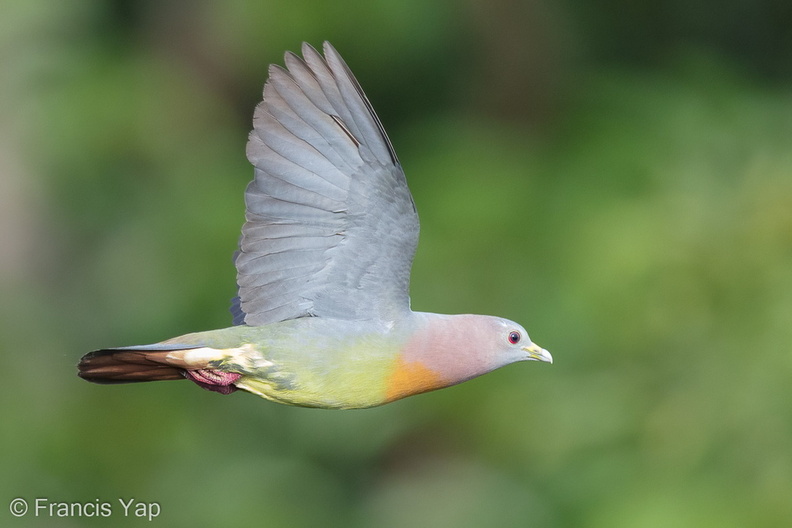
x=213, y=380
x=222, y=368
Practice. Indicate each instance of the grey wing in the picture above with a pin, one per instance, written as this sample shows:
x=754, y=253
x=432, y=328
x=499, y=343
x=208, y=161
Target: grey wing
x=331, y=227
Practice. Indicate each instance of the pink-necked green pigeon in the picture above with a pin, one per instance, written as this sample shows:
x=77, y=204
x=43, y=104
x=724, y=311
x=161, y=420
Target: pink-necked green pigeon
x=323, y=314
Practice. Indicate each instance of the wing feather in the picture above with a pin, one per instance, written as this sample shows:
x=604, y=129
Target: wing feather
x=331, y=227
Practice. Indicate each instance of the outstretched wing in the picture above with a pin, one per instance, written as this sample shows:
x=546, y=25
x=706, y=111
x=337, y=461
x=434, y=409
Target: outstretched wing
x=331, y=227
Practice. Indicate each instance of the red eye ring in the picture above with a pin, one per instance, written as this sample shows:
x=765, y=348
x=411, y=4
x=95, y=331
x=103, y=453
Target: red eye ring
x=514, y=337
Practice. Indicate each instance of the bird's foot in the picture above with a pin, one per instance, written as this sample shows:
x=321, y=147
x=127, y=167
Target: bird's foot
x=214, y=380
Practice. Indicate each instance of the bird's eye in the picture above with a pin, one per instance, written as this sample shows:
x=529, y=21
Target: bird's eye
x=514, y=337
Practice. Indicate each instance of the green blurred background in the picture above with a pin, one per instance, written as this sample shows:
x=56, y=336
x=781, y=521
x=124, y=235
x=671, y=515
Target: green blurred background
x=615, y=175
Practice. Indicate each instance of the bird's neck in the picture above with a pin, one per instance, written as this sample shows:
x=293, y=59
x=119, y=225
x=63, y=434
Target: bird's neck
x=443, y=351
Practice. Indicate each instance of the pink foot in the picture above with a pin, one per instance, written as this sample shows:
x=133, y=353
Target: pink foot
x=213, y=380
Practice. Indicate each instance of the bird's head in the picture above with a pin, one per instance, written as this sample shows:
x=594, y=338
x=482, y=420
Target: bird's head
x=511, y=343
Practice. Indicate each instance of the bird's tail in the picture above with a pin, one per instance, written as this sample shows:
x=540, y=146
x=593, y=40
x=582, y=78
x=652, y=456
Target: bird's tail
x=161, y=361
x=138, y=363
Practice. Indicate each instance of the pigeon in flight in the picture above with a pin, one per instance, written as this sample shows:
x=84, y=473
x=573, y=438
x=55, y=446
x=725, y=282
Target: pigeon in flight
x=322, y=317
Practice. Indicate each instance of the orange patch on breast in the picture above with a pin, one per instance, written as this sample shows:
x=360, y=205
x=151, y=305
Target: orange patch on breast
x=411, y=378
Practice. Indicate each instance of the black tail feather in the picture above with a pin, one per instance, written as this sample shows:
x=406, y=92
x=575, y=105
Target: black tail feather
x=131, y=364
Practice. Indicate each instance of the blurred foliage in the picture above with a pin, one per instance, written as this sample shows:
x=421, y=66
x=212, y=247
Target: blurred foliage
x=616, y=176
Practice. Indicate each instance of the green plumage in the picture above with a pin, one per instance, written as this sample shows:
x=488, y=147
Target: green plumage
x=309, y=361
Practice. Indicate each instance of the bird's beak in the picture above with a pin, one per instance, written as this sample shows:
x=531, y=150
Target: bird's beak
x=537, y=353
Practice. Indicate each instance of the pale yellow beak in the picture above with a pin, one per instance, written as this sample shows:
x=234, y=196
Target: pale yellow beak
x=537, y=353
